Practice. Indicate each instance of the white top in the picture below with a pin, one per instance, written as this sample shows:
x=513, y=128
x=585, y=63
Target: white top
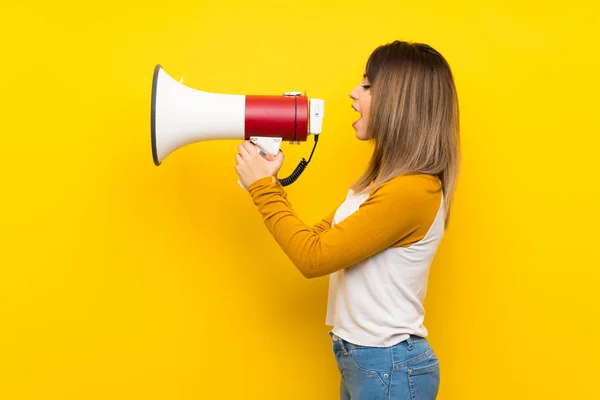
x=379, y=301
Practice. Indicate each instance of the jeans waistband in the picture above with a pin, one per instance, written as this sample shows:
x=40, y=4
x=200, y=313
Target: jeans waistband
x=409, y=341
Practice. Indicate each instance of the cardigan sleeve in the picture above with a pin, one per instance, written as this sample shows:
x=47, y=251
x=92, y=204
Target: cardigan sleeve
x=396, y=213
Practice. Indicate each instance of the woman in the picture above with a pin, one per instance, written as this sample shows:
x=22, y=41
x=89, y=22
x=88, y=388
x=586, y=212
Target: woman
x=377, y=246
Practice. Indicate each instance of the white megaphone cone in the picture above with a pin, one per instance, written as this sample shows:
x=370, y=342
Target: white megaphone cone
x=181, y=115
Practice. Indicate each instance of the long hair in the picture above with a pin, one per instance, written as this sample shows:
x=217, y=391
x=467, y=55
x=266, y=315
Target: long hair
x=414, y=117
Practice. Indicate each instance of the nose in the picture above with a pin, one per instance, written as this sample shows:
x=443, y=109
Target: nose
x=353, y=94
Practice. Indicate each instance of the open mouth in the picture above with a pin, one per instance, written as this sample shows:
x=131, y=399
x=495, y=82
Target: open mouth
x=360, y=116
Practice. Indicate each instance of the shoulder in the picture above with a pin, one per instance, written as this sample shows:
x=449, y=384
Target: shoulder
x=414, y=199
x=412, y=202
x=416, y=187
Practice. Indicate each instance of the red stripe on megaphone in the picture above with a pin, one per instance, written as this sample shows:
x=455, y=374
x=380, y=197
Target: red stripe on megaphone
x=277, y=116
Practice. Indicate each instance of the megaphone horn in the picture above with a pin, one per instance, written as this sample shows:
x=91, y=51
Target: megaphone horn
x=181, y=115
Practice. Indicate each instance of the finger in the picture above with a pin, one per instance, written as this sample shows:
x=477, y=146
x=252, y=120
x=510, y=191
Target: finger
x=268, y=157
x=239, y=159
x=243, y=151
x=250, y=147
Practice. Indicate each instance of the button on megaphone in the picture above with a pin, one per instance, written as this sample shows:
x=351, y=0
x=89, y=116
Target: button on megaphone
x=181, y=115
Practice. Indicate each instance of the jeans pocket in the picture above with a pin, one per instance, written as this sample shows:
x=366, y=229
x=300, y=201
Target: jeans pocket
x=338, y=358
x=424, y=379
x=373, y=363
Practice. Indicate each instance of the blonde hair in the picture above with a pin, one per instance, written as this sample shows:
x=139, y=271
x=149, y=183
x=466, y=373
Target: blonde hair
x=414, y=118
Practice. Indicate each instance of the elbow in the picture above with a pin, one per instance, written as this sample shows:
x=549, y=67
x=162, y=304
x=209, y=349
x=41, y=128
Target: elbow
x=306, y=271
x=313, y=265
x=309, y=274
x=311, y=271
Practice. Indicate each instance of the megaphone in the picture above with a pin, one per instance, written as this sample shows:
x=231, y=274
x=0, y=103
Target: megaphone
x=181, y=115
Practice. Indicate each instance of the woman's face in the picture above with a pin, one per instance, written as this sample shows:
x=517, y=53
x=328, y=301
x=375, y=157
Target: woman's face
x=361, y=95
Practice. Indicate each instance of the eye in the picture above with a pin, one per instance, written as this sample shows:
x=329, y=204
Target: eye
x=366, y=86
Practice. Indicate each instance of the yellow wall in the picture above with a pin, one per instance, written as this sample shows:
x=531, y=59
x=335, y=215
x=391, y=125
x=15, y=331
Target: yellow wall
x=121, y=280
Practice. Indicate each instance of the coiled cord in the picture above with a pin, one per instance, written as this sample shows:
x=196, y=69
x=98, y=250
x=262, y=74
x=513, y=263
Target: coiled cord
x=300, y=168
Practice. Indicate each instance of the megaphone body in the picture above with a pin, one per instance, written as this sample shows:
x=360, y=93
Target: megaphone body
x=181, y=115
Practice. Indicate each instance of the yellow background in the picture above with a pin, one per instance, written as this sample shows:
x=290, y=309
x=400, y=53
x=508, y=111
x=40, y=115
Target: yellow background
x=122, y=280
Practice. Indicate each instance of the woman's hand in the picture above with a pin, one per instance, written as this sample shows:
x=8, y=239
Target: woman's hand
x=252, y=166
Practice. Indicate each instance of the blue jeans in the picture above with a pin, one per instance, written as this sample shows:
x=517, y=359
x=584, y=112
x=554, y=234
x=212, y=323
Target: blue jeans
x=408, y=370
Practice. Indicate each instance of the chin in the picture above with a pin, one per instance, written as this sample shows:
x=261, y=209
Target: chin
x=361, y=135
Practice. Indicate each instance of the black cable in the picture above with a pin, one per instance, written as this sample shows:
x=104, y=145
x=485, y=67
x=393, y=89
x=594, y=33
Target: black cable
x=300, y=168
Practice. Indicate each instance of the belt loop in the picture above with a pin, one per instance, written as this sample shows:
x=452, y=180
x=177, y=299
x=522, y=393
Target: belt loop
x=410, y=343
x=338, y=339
x=341, y=342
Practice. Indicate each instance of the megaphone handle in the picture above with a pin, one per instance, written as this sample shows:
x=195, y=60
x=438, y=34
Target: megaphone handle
x=269, y=145
x=265, y=145
x=297, y=172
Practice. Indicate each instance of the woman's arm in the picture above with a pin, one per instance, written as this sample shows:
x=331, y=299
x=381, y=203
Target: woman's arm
x=397, y=213
x=320, y=226
x=325, y=223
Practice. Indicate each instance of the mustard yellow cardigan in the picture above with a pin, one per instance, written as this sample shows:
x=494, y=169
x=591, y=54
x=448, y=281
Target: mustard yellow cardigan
x=398, y=212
